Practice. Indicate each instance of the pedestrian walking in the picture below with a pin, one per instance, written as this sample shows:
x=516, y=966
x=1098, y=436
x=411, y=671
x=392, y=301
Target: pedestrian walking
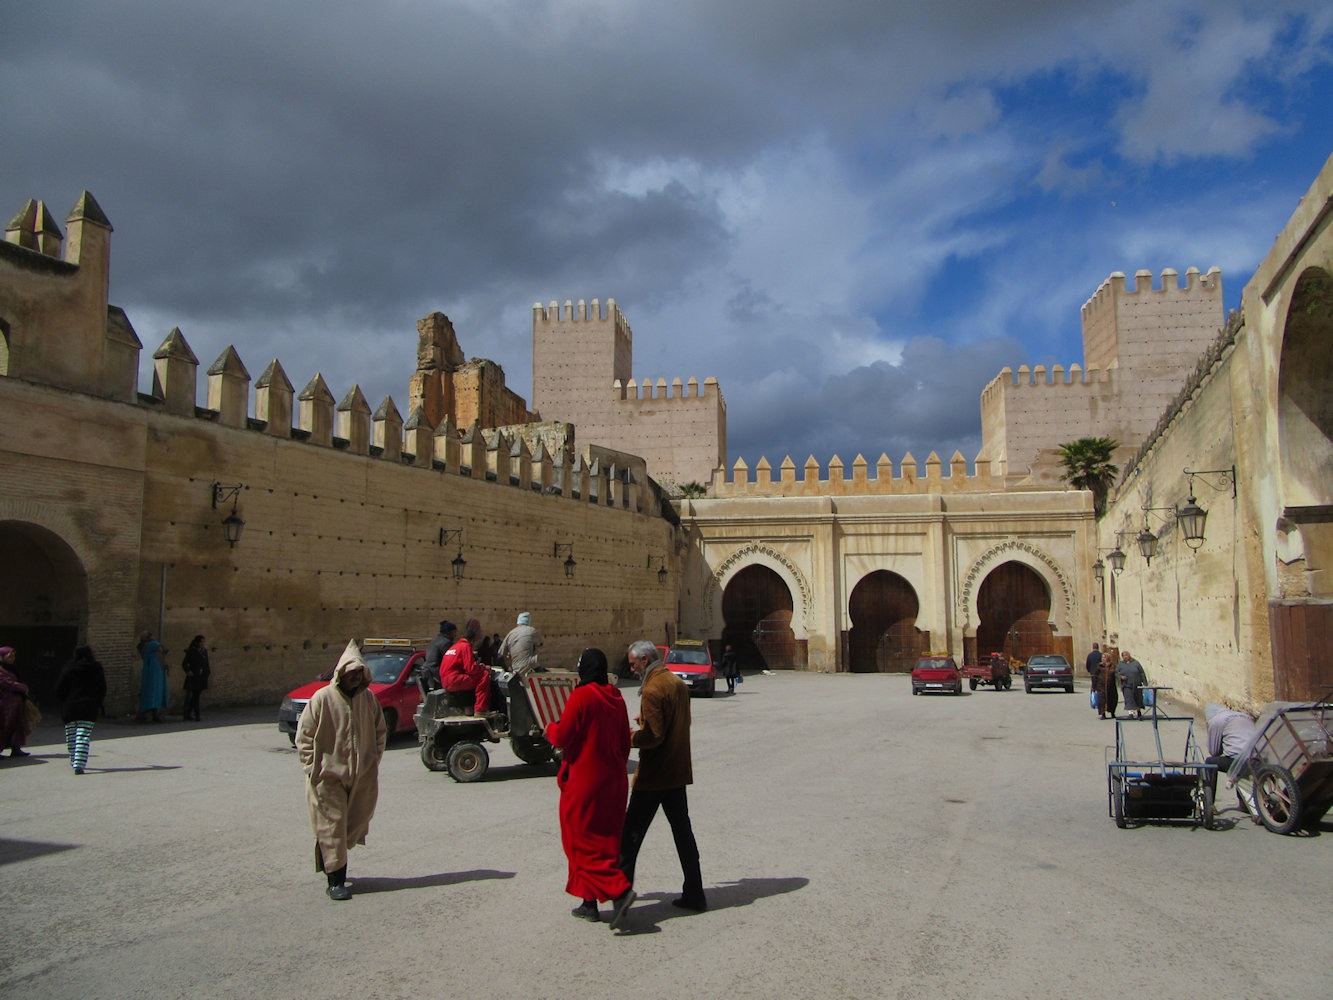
x=1103, y=682
x=152, y=678
x=593, y=733
x=1132, y=680
x=195, y=666
x=81, y=688
x=731, y=668
x=340, y=740
x=664, y=771
x=14, y=727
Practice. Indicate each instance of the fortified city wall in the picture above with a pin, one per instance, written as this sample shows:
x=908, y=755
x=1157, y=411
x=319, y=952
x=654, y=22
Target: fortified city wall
x=1138, y=344
x=910, y=478
x=352, y=516
x=582, y=356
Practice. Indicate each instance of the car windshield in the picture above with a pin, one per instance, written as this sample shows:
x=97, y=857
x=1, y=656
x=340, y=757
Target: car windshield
x=934, y=664
x=697, y=657
x=1048, y=661
x=385, y=668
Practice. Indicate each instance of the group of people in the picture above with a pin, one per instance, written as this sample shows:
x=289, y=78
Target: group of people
x=80, y=688
x=153, y=690
x=341, y=738
x=1112, y=679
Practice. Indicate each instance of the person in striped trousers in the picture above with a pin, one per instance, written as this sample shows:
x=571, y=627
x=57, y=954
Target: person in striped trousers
x=81, y=689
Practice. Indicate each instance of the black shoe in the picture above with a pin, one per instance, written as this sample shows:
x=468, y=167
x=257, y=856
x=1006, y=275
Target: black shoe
x=340, y=892
x=587, y=910
x=620, y=906
x=16, y=752
x=696, y=903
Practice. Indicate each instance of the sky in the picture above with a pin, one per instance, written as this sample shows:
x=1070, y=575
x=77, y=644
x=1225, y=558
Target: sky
x=852, y=213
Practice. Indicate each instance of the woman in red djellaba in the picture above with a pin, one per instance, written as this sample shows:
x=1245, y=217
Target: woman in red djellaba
x=593, y=732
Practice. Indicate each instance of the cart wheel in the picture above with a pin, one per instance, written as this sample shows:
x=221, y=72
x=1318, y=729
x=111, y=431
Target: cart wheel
x=1008, y=683
x=1278, y=797
x=468, y=761
x=972, y=683
x=433, y=756
x=531, y=749
x=1118, y=802
x=1206, y=810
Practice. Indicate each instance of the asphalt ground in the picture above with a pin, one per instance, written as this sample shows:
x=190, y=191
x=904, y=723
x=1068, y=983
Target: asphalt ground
x=856, y=842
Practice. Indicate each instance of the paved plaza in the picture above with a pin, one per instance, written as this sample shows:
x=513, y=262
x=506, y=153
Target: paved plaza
x=856, y=842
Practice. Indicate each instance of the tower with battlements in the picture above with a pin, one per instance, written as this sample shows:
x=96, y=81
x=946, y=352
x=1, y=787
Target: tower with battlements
x=582, y=358
x=1139, y=345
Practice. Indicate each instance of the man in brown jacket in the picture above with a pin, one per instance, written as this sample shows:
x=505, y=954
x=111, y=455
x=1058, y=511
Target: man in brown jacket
x=663, y=739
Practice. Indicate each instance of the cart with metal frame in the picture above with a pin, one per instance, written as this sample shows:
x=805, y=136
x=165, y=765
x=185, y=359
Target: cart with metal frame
x=1141, y=787
x=1290, y=764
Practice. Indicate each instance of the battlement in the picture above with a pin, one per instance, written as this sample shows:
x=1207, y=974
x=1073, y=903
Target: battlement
x=680, y=391
x=911, y=478
x=1076, y=378
x=1114, y=290
x=554, y=314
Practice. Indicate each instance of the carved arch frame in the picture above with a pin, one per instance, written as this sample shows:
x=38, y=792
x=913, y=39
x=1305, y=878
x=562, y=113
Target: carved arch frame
x=1035, y=558
x=755, y=554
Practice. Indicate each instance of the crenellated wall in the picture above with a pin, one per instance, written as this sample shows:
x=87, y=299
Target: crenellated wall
x=911, y=478
x=581, y=361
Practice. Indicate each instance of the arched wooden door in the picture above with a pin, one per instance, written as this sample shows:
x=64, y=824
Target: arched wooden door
x=884, y=637
x=757, y=614
x=1014, y=605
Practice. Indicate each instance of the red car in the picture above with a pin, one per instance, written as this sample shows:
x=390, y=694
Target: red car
x=690, y=660
x=936, y=672
x=394, y=665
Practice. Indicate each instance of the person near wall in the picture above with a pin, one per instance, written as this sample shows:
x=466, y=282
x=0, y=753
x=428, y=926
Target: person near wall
x=1230, y=734
x=518, y=651
x=195, y=666
x=1103, y=682
x=152, y=678
x=430, y=670
x=664, y=771
x=1094, y=660
x=340, y=740
x=81, y=688
x=13, y=706
x=1132, y=680
x=731, y=668
x=593, y=733
x=460, y=670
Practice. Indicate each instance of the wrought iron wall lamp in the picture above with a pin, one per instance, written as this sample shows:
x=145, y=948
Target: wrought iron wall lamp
x=232, y=523
x=569, y=563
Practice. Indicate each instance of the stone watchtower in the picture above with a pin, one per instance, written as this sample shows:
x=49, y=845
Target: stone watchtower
x=581, y=362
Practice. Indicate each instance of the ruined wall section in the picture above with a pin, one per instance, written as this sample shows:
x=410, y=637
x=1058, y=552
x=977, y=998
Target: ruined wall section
x=581, y=360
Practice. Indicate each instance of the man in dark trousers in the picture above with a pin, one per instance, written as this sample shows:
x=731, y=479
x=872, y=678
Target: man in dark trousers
x=430, y=672
x=1094, y=661
x=663, y=739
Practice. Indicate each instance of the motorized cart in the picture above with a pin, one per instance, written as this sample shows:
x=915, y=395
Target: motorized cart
x=1144, y=784
x=453, y=738
x=993, y=671
x=1290, y=764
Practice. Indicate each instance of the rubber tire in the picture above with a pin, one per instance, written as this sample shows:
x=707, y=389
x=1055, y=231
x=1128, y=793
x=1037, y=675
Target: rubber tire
x=1008, y=683
x=1118, y=804
x=468, y=761
x=972, y=683
x=1070, y=689
x=712, y=688
x=1278, y=797
x=1206, y=807
x=916, y=690
x=431, y=758
x=292, y=737
x=531, y=749
x=1027, y=688
x=390, y=721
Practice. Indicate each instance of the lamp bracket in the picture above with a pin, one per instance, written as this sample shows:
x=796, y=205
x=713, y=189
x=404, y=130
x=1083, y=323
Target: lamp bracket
x=222, y=493
x=1225, y=478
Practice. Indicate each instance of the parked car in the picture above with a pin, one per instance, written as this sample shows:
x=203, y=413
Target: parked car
x=936, y=672
x=394, y=665
x=690, y=660
x=1048, y=670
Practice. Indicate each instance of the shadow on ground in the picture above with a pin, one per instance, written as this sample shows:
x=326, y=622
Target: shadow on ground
x=375, y=884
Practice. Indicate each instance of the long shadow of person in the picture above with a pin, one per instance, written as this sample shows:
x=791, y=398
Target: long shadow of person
x=374, y=883
x=723, y=896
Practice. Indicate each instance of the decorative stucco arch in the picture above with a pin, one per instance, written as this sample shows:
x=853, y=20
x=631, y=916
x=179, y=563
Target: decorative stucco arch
x=755, y=554
x=1036, y=559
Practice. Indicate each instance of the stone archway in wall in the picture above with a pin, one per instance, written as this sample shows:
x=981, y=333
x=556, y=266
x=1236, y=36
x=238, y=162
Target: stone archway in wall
x=44, y=605
x=763, y=603
x=1044, y=606
x=1301, y=622
x=883, y=609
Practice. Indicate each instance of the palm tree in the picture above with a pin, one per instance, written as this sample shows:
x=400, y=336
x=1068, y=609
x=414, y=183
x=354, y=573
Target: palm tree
x=1087, y=463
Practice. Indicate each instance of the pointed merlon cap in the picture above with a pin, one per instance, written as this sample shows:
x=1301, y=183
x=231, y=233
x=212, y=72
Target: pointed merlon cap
x=25, y=218
x=175, y=348
x=418, y=420
x=45, y=223
x=274, y=378
x=317, y=390
x=87, y=210
x=388, y=410
x=229, y=363
x=355, y=400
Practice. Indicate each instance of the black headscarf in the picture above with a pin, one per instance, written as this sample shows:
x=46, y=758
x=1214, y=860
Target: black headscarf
x=592, y=668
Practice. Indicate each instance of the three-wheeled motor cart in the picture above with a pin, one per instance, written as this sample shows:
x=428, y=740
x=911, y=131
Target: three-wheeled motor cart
x=1290, y=764
x=1143, y=783
x=453, y=738
x=994, y=670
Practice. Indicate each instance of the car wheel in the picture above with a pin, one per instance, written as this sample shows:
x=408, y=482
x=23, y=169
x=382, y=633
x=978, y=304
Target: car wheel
x=433, y=756
x=390, y=721
x=468, y=761
x=712, y=688
x=1027, y=688
x=972, y=683
x=292, y=738
x=916, y=690
x=1070, y=689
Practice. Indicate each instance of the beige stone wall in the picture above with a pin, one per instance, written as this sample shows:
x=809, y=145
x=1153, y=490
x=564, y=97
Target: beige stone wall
x=943, y=545
x=860, y=478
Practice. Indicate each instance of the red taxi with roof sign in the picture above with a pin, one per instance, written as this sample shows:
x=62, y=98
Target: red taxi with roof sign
x=394, y=665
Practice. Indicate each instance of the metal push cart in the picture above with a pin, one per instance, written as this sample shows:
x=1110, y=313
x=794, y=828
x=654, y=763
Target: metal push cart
x=1290, y=763
x=1142, y=787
